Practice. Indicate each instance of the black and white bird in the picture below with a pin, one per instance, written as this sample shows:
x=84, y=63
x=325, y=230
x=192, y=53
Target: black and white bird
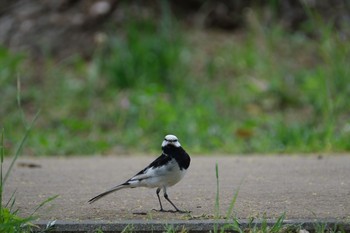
x=167, y=170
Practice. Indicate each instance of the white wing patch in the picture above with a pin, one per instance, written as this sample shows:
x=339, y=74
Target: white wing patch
x=141, y=176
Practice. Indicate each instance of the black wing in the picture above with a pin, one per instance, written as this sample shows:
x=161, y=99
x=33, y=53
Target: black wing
x=160, y=161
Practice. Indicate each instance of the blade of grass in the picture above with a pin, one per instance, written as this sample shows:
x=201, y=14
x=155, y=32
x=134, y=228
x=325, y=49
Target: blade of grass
x=217, y=201
x=264, y=225
x=18, y=96
x=12, y=196
x=236, y=224
x=19, y=102
x=217, y=204
x=43, y=203
x=12, y=204
x=19, y=149
x=2, y=152
x=232, y=204
x=278, y=225
x=2, y=146
x=15, y=211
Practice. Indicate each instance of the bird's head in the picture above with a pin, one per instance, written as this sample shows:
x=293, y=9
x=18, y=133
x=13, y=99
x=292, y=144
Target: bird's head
x=171, y=140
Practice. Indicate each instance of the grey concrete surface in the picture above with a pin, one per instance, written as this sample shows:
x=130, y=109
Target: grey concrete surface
x=304, y=187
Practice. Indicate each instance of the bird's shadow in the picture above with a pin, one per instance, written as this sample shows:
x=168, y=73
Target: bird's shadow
x=139, y=213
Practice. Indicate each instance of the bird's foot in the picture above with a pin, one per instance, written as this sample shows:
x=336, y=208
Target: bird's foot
x=161, y=210
x=173, y=211
x=182, y=211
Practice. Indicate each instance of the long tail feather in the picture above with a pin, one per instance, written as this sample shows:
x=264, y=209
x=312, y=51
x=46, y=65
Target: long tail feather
x=116, y=188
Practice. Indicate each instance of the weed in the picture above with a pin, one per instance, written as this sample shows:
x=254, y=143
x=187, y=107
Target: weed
x=128, y=228
x=9, y=219
x=171, y=229
x=235, y=223
x=217, y=199
x=232, y=223
x=260, y=225
x=98, y=230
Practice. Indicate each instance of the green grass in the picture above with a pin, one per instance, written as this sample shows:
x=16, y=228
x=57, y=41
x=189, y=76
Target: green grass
x=264, y=90
x=9, y=220
x=232, y=222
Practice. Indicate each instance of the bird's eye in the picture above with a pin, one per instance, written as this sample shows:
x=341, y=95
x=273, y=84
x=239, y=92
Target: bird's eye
x=170, y=140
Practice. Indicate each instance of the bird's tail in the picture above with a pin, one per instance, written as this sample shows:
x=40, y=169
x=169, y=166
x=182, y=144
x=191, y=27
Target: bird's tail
x=116, y=188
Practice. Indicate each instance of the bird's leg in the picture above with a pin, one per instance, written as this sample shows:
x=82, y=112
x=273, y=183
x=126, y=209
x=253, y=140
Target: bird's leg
x=160, y=203
x=167, y=198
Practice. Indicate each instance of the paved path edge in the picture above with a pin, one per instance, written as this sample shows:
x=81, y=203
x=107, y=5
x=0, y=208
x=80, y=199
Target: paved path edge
x=189, y=225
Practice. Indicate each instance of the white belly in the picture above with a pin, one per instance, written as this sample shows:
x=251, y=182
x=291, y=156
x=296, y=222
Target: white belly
x=165, y=176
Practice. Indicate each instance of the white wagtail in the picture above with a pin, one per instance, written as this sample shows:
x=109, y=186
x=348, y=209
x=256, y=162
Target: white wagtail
x=168, y=169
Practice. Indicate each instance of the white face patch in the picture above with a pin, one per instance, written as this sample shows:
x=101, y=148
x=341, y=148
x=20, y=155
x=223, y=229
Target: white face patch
x=171, y=139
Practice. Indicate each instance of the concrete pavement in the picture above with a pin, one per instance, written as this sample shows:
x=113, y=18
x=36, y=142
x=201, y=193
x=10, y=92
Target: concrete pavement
x=302, y=187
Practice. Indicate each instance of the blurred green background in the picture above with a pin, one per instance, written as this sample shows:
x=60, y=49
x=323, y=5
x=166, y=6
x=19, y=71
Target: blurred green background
x=114, y=77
